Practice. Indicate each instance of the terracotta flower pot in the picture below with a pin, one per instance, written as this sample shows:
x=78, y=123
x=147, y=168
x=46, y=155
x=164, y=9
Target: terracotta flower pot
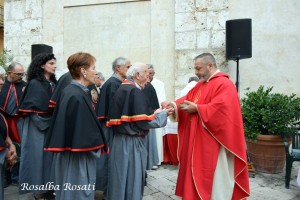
x=267, y=153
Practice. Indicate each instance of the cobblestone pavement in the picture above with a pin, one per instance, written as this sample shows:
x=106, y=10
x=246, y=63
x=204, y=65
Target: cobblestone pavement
x=161, y=185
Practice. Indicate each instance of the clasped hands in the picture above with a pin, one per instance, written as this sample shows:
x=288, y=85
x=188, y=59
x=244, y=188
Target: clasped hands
x=169, y=110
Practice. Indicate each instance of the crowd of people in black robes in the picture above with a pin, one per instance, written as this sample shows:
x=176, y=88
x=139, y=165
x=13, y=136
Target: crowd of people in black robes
x=63, y=128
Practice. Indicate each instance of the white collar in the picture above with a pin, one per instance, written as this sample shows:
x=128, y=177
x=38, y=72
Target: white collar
x=137, y=85
x=212, y=75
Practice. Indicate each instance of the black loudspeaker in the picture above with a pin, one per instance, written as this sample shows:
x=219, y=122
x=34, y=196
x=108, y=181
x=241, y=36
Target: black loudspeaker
x=40, y=48
x=238, y=39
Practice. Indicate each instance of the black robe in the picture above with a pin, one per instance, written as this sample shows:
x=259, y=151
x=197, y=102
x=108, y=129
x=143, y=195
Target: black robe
x=11, y=109
x=151, y=95
x=129, y=105
x=36, y=97
x=5, y=92
x=63, y=81
x=74, y=125
x=131, y=117
x=108, y=90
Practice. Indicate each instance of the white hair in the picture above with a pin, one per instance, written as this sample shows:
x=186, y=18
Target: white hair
x=136, y=67
x=121, y=61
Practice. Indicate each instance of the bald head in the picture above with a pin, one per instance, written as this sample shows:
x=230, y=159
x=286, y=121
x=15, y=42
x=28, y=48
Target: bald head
x=15, y=72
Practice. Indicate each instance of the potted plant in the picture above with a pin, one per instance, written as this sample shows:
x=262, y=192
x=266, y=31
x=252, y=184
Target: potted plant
x=266, y=116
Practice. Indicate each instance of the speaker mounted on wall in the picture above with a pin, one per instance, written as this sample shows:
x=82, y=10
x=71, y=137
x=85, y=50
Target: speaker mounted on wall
x=238, y=39
x=40, y=48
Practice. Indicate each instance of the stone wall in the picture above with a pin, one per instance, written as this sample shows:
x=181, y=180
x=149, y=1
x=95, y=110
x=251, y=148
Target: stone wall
x=199, y=28
x=23, y=26
x=275, y=45
x=52, y=22
x=178, y=30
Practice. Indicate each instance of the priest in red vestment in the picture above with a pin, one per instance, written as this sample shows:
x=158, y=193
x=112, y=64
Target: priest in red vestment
x=212, y=150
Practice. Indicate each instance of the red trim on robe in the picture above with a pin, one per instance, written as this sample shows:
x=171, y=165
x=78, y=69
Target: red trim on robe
x=16, y=96
x=33, y=111
x=13, y=129
x=73, y=149
x=7, y=97
x=126, y=82
x=129, y=119
x=52, y=104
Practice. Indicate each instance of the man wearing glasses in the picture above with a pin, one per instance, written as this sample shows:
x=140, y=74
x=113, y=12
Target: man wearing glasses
x=10, y=96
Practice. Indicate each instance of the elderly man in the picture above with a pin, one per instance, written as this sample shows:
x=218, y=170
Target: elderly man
x=119, y=66
x=212, y=150
x=100, y=81
x=95, y=89
x=132, y=117
x=10, y=96
x=7, y=148
x=161, y=95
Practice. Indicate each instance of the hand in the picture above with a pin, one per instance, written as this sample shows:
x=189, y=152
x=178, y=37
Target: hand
x=170, y=111
x=11, y=156
x=157, y=111
x=190, y=108
x=166, y=104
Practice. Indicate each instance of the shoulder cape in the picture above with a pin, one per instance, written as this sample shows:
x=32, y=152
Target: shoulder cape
x=74, y=125
x=108, y=90
x=5, y=91
x=63, y=81
x=151, y=95
x=36, y=97
x=128, y=105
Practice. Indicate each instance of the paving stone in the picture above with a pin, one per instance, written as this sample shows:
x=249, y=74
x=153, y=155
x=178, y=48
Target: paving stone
x=165, y=186
x=161, y=184
x=157, y=196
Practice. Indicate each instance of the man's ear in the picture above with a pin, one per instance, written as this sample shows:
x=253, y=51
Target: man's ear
x=137, y=75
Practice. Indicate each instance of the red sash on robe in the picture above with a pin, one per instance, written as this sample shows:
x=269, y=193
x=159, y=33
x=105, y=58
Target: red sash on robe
x=13, y=129
x=218, y=122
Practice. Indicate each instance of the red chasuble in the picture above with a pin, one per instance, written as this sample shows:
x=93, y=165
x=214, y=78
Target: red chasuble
x=217, y=122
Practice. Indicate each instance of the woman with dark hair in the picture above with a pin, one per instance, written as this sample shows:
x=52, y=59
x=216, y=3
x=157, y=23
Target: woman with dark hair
x=75, y=135
x=35, y=163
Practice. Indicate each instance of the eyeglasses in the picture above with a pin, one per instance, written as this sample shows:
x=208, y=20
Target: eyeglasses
x=18, y=74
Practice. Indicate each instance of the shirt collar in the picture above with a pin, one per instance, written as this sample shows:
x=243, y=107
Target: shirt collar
x=212, y=75
x=79, y=85
x=137, y=85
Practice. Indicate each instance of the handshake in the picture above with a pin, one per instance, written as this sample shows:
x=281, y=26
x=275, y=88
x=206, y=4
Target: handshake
x=167, y=106
x=186, y=106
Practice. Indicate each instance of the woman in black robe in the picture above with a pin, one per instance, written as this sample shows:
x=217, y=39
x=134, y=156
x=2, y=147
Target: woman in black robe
x=35, y=163
x=75, y=135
